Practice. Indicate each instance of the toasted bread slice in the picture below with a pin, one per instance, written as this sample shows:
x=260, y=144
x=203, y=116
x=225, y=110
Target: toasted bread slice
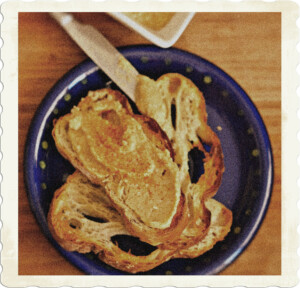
x=82, y=218
x=131, y=157
x=178, y=106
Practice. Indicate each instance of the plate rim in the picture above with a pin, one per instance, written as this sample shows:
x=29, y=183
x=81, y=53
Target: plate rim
x=58, y=88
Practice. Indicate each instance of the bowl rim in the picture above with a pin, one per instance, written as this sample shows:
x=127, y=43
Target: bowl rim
x=165, y=37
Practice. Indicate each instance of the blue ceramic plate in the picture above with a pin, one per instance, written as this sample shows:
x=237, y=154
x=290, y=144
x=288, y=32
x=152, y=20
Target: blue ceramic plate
x=247, y=182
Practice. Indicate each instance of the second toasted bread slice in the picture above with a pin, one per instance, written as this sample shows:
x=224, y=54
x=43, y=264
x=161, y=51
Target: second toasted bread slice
x=131, y=157
x=178, y=105
x=81, y=218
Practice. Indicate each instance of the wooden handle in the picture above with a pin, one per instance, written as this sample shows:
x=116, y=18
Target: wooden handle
x=102, y=52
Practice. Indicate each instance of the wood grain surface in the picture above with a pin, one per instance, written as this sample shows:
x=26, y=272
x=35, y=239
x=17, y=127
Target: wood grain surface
x=245, y=45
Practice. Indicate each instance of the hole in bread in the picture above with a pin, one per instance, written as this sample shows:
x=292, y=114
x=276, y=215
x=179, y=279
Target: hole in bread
x=173, y=114
x=95, y=185
x=105, y=96
x=133, y=244
x=75, y=224
x=205, y=146
x=111, y=116
x=95, y=219
x=195, y=162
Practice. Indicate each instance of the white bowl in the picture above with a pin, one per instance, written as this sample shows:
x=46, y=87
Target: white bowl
x=164, y=37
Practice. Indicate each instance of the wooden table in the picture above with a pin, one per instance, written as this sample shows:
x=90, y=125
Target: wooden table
x=247, y=46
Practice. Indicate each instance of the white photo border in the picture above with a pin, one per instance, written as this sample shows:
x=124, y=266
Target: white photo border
x=9, y=145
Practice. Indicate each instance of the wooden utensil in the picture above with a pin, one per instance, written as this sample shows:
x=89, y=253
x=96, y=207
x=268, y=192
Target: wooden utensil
x=101, y=51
